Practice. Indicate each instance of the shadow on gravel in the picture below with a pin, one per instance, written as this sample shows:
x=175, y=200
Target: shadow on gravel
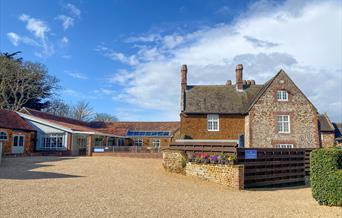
x=20, y=168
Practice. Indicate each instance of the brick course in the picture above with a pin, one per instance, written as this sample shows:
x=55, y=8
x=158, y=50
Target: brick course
x=195, y=127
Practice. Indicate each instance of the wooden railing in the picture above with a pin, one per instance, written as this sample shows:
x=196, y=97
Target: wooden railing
x=208, y=147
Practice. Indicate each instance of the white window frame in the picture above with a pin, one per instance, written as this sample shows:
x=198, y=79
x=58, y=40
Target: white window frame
x=213, y=123
x=284, y=146
x=156, y=143
x=139, y=142
x=47, y=141
x=2, y=134
x=282, y=121
x=18, y=140
x=282, y=95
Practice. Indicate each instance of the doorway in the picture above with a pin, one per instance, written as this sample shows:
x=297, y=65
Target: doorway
x=18, y=144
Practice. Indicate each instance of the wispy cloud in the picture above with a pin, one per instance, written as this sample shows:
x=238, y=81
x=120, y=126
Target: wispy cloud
x=265, y=38
x=66, y=21
x=65, y=40
x=39, y=29
x=75, y=11
x=77, y=75
x=117, y=56
x=15, y=39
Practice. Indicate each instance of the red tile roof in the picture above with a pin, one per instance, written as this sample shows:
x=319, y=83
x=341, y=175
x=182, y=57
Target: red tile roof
x=115, y=128
x=11, y=120
x=121, y=128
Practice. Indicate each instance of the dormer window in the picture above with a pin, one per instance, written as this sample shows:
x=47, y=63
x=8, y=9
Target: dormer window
x=213, y=122
x=282, y=95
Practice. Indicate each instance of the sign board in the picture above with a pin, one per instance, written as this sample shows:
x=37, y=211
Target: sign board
x=98, y=150
x=250, y=154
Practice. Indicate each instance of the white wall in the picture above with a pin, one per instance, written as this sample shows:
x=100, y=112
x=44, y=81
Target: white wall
x=45, y=129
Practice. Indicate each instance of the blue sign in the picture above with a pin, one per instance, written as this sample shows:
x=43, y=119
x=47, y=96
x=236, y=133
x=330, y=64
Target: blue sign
x=250, y=154
x=98, y=150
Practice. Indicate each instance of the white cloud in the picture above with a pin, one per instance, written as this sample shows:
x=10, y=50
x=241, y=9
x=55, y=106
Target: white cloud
x=304, y=39
x=118, y=56
x=65, y=40
x=76, y=75
x=36, y=26
x=14, y=38
x=39, y=29
x=74, y=11
x=104, y=91
x=66, y=21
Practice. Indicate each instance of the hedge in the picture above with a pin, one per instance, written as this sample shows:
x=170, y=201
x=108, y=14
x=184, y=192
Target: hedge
x=326, y=176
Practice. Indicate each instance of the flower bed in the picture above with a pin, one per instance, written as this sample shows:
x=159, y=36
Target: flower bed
x=206, y=158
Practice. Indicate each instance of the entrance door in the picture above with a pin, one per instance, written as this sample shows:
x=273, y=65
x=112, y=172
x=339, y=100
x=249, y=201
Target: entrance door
x=18, y=144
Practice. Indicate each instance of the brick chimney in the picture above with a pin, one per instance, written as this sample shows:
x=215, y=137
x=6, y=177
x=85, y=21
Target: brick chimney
x=184, y=82
x=239, y=81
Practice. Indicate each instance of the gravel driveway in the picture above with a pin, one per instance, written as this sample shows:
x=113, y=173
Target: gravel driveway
x=128, y=187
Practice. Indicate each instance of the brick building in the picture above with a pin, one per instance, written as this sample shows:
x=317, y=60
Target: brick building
x=141, y=135
x=16, y=135
x=274, y=114
x=327, y=130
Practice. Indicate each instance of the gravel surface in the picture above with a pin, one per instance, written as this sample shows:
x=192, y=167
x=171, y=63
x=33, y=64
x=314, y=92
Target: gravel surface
x=128, y=187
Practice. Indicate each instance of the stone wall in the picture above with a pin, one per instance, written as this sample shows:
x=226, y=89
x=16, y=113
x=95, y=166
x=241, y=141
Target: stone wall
x=327, y=139
x=195, y=126
x=303, y=117
x=227, y=175
x=174, y=161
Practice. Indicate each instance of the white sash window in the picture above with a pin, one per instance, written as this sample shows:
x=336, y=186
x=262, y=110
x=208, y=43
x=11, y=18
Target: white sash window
x=213, y=122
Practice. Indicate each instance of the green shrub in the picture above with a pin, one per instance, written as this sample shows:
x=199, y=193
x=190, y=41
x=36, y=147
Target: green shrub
x=326, y=176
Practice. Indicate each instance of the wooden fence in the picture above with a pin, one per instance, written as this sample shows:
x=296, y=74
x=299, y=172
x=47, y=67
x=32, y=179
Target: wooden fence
x=262, y=166
x=274, y=166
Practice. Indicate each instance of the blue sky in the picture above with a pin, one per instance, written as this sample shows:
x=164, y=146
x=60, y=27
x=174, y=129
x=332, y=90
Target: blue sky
x=124, y=57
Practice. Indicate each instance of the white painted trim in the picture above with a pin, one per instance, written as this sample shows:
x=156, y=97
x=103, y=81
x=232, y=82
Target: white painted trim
x=206, y=140
x=44, y=122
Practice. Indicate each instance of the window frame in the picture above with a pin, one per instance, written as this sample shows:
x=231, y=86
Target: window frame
x=282, y=95
x=3, y=133
x=213, y=119
x=284, y=145
x=154, y=143
x=53, y=141
x=18, y=141
x=139, y=140
x=281, y=124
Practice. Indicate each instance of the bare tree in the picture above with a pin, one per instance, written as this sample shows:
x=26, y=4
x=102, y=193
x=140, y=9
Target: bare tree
x=58, y=107
x=82, y=111
x=23, y=82
x=104, y=117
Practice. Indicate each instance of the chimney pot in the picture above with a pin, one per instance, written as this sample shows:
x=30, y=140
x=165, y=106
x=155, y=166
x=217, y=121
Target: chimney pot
x=252, y=82
x=229, y=82
x=249, y=82
x=239, y=81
